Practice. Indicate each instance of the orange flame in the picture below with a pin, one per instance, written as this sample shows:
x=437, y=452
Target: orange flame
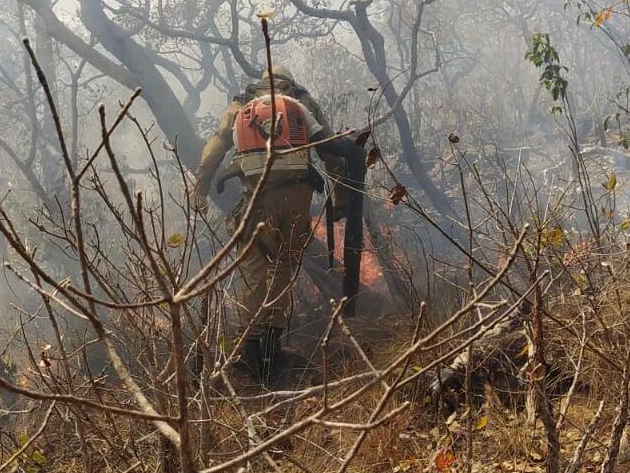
x=371, y=271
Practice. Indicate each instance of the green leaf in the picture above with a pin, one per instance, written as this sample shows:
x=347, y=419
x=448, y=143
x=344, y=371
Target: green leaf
x=611, y=183
x=226, y=344
x=542, y=54
x=22, y=439
x=38, y=457
x=175, y=240
x=581, y=280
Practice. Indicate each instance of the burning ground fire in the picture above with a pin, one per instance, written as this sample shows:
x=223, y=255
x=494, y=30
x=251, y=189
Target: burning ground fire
x=371, y=271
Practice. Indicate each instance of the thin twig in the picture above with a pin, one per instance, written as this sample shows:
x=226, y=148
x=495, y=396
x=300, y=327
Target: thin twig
x=30, y=441
x=68, y=399
x=576, y=462
x=621, y=419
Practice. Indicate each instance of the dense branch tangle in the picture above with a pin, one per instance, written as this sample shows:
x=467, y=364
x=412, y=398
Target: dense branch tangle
x=84, y=303
x=145, y=294
x=144, y=248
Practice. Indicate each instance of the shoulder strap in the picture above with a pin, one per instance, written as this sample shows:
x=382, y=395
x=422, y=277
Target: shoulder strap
x=299, y=90
x=248, y=95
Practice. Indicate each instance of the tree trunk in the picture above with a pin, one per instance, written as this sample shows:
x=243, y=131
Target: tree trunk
x=52, y=176
x=165, y=106
x=373, y=45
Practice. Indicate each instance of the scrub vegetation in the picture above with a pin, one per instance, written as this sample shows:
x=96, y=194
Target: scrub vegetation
x=491, y=331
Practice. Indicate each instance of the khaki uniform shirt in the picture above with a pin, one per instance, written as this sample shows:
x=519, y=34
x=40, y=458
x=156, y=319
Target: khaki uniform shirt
x=223, y=140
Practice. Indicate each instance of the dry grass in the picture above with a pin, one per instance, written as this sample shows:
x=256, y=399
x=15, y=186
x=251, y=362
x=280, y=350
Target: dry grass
x=502, y=442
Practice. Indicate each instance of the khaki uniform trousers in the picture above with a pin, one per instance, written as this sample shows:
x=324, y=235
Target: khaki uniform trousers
x=272, y=263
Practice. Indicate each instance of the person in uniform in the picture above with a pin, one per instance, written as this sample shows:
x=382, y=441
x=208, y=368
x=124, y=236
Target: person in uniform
x=269, y=268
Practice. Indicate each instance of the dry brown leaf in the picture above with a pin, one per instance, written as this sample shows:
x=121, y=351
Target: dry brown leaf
x=397, y=193
x=267, y=15
x=373, y=156
x=481, y=423
x=537, y=373
x=362, y=138
x=175, y=240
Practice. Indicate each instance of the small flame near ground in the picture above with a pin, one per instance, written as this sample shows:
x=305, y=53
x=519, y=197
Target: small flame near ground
x=371, y=271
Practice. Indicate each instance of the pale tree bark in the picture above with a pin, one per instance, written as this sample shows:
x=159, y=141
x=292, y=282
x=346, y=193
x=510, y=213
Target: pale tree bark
x=374, y=53
x=165, y=106
x=51, y=173
x=60, y=32
x=138, y=68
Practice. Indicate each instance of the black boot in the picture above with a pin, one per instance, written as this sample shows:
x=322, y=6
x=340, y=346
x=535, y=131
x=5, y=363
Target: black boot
x=274, y=361
x=251, y=359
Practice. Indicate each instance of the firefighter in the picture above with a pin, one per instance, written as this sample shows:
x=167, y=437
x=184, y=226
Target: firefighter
x=284, y=205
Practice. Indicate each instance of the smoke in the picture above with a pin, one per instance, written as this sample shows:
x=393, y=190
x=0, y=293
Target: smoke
x=483, y=89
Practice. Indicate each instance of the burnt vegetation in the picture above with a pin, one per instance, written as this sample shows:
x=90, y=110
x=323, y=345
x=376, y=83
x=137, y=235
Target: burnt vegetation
x=491, y=327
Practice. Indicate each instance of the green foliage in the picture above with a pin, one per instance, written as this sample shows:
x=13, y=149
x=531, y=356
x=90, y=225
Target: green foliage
x=619, y=120
x=543, y=55
x=609, y=118
x=32, y=460
x=226, y=344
